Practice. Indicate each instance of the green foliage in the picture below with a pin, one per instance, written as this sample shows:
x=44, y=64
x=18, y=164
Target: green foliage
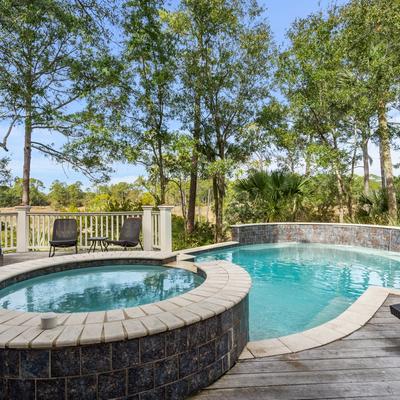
x=275, y=196
x=5, y=172
x=201, y=236
x=10, y=196
x=54, y=55
x=66, y=197
x=118, y=197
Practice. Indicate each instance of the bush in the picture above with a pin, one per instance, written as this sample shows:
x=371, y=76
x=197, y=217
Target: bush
x=202, y=235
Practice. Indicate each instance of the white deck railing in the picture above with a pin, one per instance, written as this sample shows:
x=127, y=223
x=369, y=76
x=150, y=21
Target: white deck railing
x=25, y=230
x=8, y=231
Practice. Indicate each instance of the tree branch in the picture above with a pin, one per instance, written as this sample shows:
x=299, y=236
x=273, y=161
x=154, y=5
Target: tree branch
x=3, y=144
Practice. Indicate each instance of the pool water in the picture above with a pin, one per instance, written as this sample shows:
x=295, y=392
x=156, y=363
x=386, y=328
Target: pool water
x=299, y=286
x=98, y=288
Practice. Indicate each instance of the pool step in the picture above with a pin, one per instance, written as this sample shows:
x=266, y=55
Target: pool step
x=329, y=311
x=182, y=264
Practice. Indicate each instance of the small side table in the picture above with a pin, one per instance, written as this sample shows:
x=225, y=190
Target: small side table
x=100, y=240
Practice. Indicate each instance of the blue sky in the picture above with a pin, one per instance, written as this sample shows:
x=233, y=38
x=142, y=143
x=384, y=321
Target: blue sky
x=280, y=13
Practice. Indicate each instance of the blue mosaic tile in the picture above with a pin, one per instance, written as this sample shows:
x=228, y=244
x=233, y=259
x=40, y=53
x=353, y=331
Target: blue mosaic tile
x=35, y=364
x=166, y=371
x=82, y=388
x=112, y=385
x=96, y=358
x=65, y=362
x=140, y=378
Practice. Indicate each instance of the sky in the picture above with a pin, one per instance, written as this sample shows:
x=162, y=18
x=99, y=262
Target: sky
x=280, y=13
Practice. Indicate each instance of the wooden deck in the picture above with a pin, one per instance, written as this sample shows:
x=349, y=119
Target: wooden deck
x=364, y=365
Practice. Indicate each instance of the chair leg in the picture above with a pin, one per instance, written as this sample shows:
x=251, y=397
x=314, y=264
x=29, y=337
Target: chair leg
x=140, y=244
x=52, y=254
x=76, y=249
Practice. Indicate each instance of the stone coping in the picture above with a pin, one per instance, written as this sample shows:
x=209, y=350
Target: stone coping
x=209, y=247
x=352, y=319
x=225, y=285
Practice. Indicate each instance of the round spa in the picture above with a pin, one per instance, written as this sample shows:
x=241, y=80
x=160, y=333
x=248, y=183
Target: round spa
x=126, y=327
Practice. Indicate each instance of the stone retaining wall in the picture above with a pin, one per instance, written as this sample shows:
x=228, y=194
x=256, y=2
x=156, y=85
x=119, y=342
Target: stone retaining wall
x=378, y=237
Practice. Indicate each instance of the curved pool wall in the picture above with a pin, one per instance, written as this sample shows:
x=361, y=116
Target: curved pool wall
x=372, y=236
x=164, y=350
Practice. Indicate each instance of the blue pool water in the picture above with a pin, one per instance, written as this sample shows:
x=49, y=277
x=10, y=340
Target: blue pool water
x=98, y=288
x=299, y=286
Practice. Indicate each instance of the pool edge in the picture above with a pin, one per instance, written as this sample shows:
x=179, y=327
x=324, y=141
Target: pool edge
x=346, y=323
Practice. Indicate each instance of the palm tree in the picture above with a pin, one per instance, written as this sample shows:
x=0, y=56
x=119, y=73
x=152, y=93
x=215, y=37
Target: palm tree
x=279, y=193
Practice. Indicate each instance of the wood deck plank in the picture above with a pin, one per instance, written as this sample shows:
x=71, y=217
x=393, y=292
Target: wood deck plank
x=364, y=365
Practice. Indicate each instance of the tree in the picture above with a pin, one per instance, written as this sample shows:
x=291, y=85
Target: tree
x=371, y=30
x=277, y=194
x=313, y=76
x=53, y=55
x=149, y=75
x=231, y=62
x=64, y=196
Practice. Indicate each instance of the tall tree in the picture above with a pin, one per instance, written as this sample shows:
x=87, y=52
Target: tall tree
x=231, y=63
x=150, y=69
x=371, y=29
x=191, y=24
x=52, y=56
x=321, y=102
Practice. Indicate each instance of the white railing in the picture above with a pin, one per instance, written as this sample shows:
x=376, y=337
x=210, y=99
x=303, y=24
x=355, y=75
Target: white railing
x=89, y=225
x=25, y=230
x=8, y=231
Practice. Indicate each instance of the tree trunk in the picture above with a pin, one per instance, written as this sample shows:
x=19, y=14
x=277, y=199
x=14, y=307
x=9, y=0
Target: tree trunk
x=26, y=176
x=382, y=163
x=340, y=195
x=183, y=204
x=208, y=205
x=194, y=167
x=219, y=194
x=163, y=181
x=386, y=160
x=365, y=155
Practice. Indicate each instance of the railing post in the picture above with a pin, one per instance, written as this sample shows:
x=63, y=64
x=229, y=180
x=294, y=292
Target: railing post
x=147, y=228
x=165, y=228
x=22, y=228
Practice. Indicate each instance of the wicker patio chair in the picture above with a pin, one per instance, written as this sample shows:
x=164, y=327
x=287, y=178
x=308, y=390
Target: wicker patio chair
x=129, y=236
x=65, y=234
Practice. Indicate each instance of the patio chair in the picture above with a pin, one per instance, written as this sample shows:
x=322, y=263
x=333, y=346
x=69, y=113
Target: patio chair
x=129, y=236
x=65, y=234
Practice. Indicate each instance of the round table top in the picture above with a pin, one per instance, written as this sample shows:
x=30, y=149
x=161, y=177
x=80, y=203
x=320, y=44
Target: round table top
x=99, y=238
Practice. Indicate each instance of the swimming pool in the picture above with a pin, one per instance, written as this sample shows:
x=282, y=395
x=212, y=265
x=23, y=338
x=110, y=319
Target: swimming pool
x=299, y=286
x=107, y=287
